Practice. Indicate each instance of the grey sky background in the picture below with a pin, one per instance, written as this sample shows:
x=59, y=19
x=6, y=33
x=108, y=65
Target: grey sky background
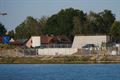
x=18, y=10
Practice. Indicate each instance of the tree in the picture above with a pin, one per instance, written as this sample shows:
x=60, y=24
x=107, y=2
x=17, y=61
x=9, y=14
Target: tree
x=100, y=23
x=2, y=29
x=43, y=22
x=62, y=22
x=108, y=19
x=77, y=26
x=67, y=22
x=94, y=24
x=29, y=27
x=11, y=33
x=115, y=31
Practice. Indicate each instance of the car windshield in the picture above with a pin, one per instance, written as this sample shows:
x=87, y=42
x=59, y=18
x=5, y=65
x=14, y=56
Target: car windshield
x=88, y=45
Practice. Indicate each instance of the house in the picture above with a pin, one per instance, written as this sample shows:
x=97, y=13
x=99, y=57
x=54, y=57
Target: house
x=0, y=39
x=46, y=41
x=34, y=41
x=17, y=42
x=80, y=41
x=37, y=41
x=63, y=39
x=60, y=41
x=56, y=45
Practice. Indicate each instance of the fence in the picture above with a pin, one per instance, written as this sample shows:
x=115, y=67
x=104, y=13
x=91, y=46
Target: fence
x=113, y=50
x=100, y=51
x=55, y=45
x=58, y=51
x=18, y=52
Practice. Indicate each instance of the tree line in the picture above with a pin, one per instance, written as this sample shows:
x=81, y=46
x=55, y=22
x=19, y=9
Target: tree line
x=70, y=22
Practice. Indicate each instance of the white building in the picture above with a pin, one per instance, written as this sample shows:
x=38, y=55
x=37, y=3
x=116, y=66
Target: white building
x=57, y=51
x=34, y=41
x=80, y=41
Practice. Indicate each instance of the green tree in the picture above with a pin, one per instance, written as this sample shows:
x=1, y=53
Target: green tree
x=11, y=33
x=67, y=22
x=62, y=22
x=29, y=27
x=115, y=31
x=93, y=24
x=77, y=26
x=43, y=22
x=2, y=29
x=100, y=23
x=108, y=19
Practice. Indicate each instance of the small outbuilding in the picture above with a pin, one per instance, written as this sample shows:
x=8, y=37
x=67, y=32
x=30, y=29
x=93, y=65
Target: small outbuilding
x=34, y=41
x=80, y=41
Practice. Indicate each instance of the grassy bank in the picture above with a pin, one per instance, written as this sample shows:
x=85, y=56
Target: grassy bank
x=60, y=60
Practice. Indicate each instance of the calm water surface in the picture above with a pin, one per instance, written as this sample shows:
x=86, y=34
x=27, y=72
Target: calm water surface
x=60, y=72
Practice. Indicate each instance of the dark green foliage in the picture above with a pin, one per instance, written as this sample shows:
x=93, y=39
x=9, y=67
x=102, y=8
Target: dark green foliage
x=62, y=23
x=11, y=33
x=115, y=31
x=73, y=21
x=99, y=23
x=2, y=29
x=42, y=22
x=77, y=28
x=28, y=28
x=69, y=22
x=107, y=20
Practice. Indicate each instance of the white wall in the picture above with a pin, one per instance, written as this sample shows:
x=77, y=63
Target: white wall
x=35, y=41
x=57, y=51
x=80, y=41
x=29, y=43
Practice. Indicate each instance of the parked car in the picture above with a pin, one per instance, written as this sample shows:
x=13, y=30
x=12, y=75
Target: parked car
x=90, y=47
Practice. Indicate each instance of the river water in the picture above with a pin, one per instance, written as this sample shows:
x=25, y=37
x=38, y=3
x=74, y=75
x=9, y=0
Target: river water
x=59, y=71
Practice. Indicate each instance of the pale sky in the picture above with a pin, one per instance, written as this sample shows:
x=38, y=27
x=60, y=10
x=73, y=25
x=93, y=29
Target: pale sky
x=18, y=10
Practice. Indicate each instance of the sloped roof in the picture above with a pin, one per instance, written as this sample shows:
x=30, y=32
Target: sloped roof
x=0, y=38
x=46, y=39
x=63, y=39
x=53, y=39
x=16, y=43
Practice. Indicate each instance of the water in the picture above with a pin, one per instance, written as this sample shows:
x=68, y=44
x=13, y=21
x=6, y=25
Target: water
x=60, y=72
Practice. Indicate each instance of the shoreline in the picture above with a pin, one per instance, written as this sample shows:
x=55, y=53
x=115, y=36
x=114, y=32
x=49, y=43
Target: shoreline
x=61, y=60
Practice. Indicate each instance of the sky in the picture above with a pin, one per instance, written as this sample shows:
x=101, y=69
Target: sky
x=18, y=10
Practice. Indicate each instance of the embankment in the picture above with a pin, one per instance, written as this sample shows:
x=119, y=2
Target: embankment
x=73, y=59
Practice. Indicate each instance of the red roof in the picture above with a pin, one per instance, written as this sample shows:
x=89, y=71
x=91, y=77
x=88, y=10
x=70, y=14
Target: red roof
x=46, y=39
x=16, y=43
x=53, y=39
x=63, y=39
x=0, y=39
